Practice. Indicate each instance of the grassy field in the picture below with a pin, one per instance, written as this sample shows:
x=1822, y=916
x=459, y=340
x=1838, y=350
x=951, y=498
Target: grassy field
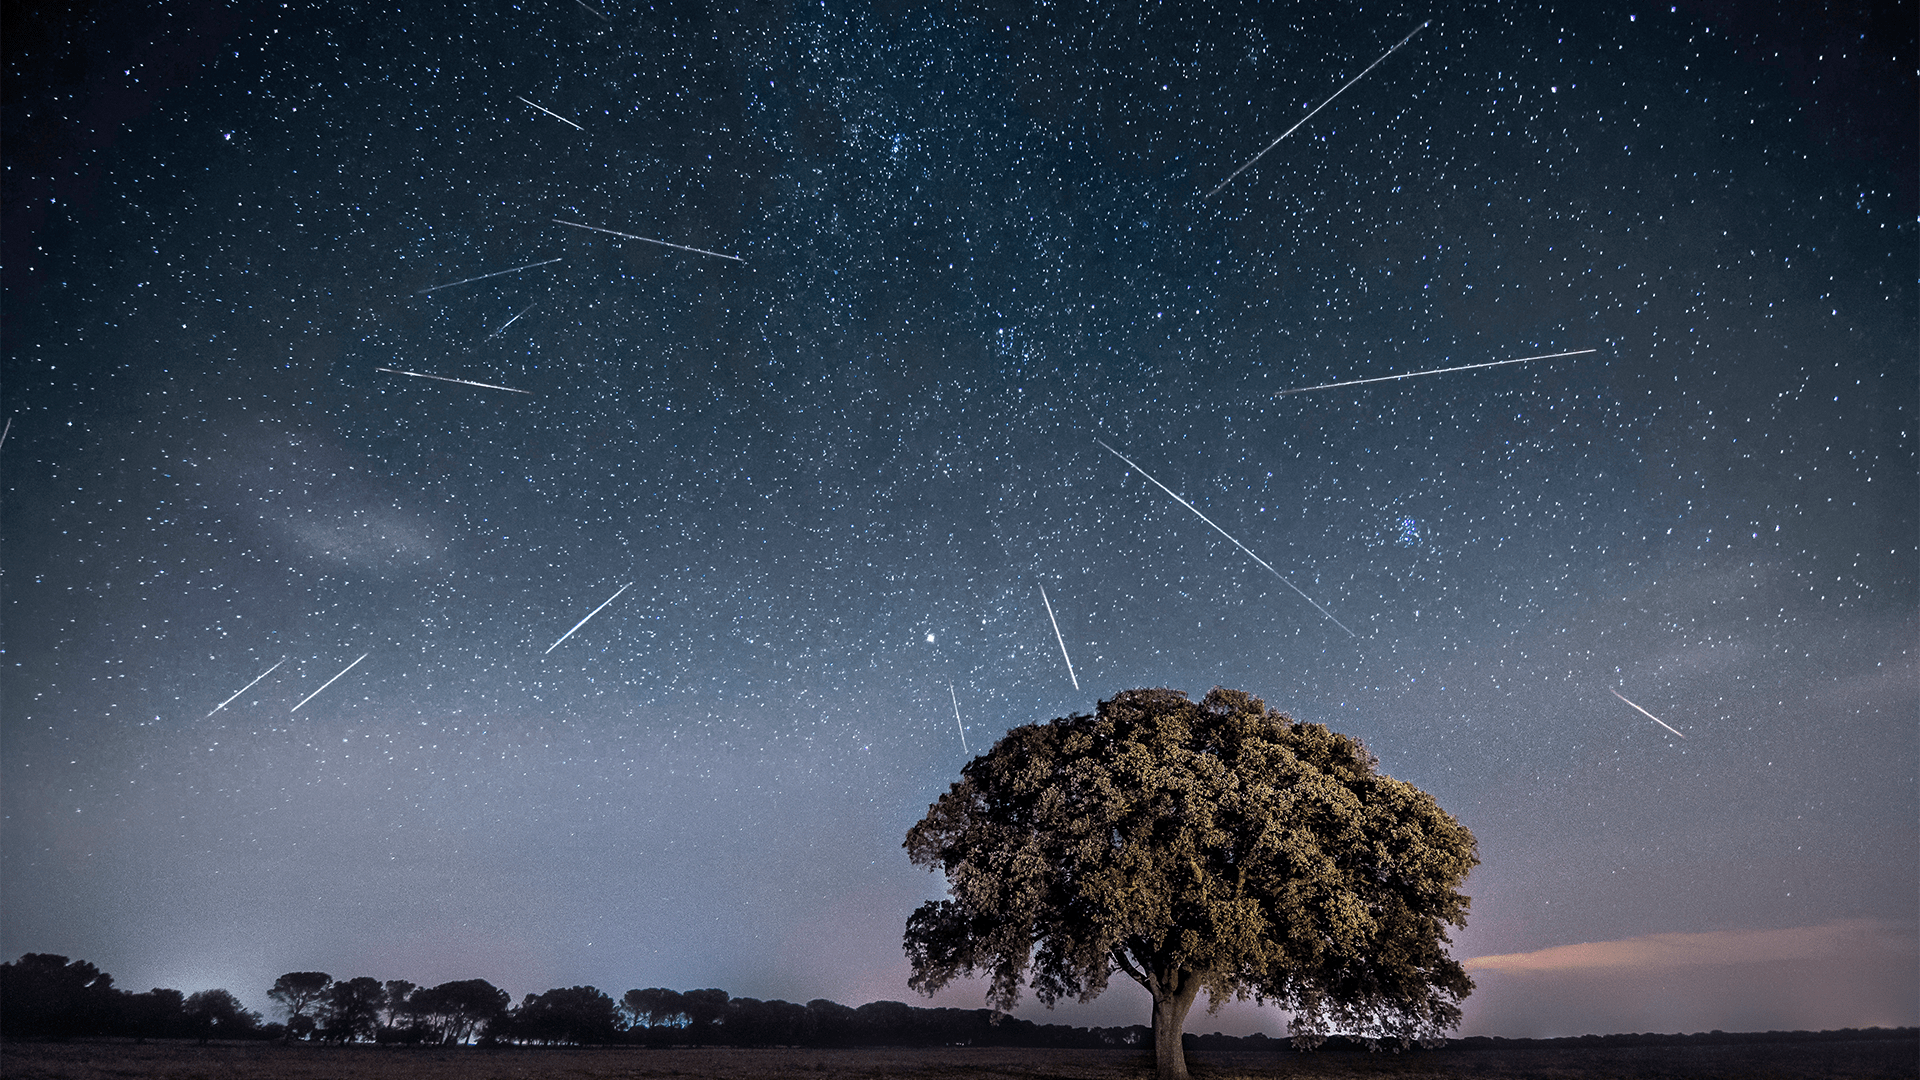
x=255, y=1061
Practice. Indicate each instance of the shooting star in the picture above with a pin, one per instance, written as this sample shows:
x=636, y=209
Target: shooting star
x=1434, y=371
x=590, y=7
x=1058, y=638
x=1644, y=712
x=553, y=114
x=326, y=684
x=484, y=277
x=510, y=322
x=451, y=379
x=3, y=433
x=651, y=240
x=249, y=686
x=956, y=718
x=1228, y=535
x=1309, y=116
x=590, y=615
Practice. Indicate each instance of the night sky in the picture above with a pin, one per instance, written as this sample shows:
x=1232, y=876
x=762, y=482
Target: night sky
x=833, y=469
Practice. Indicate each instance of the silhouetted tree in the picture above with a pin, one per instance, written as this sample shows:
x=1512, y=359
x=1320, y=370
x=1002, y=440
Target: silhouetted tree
x=45, y=996
x=214, y=1014
x=157, y=1014
x=751, y=1022
x=705, y=1009
x=885, y=1023
x=352, y=1009
x=743, y=1023
x=577, y=1014
x=403, y=1023
x=831, y=1022
x=455, y=1012
x=1214, y=845
x=654, y=1007
x=300, y=994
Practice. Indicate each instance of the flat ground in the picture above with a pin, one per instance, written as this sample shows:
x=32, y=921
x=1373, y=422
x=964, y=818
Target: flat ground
x=270, y=1061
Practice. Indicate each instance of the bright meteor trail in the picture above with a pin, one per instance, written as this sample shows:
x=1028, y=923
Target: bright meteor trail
x=1058, y=638
x=590, y=615
x=484, y=277
x=553, y=114
x=1644, y=712
x=449, y=378
x=249, y=686
x=1309, y=116
x=1434, y=371
x=1228, y=535
x=651, y=240
x=510, y=322
x=324, y=685
x=956, y=718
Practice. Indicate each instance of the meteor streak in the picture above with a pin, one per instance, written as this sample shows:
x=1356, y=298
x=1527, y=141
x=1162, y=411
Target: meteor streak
x=1309, y=116
x=510, y=322
x=1644, y=712
x=590, y=615
x=651, y=240
x=1228, y=535
x=1434, y=371
x=553, y=114
x=249, y=686
x=956, y=718
x=324, y=685
x=595, y=10
x=451, y=379
x=484, y=277
x=1058, y=638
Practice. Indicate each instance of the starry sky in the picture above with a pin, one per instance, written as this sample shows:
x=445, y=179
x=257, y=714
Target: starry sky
x=824, y=443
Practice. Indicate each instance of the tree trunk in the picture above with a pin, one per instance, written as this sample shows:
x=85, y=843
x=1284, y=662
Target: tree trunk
x=1170, y=1005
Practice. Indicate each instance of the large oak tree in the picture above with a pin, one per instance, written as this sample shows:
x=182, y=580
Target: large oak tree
x=1214, y=845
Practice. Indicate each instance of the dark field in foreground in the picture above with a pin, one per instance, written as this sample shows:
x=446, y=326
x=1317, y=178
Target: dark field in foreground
x=248, y=1061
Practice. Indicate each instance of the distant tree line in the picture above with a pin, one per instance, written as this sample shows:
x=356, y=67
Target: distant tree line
x=43, y=996
x=1698, y=1038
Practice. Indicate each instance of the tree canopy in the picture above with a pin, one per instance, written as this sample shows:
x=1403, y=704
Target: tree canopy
x=655, y=1006
x=704, y=1009
x=217, y=1014
x=41, y=993
x=457, y=1011
x=1215, y=845
x=575, y=1014
x=300, y=993
x=353, y=1009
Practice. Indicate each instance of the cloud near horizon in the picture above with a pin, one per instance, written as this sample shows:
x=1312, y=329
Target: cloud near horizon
x=1827, y=941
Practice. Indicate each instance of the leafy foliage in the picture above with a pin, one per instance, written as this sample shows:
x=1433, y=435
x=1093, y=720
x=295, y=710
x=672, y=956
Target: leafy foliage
x=576, y=1014
x=1215, y=845
x=654, y=1007
x=300, y=995
x=353, y=1009
x=705, y=1009
x=399, y=994
x=44, y=994
x=454, y=1012
x=217, y=1014
x=156, y=1014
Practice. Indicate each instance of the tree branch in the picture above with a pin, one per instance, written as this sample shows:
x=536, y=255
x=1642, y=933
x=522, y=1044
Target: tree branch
x=1120, y=958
